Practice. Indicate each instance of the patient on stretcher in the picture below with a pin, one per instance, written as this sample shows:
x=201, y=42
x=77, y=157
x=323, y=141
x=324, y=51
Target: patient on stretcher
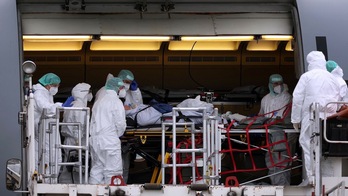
x=155, y=113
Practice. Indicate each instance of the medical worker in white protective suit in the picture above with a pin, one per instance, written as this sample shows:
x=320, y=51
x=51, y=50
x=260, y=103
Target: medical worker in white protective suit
x=132, y=103
x=43, y=96
x=277, y=98
x=331, y=66
x=81, y=94
x=317, y=85
x=108, y=123
x=337, y=71
x=274, y=105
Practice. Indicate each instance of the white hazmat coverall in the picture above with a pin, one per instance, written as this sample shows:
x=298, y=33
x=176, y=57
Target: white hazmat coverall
x=81, y=95
x=327, y=163
x=338, y=73
x=108, y=123
x=269, y=103
x=44, y=100
x=317, y=85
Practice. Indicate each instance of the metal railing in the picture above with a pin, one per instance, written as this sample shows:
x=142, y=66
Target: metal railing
x=210, y=149
x=49, y=132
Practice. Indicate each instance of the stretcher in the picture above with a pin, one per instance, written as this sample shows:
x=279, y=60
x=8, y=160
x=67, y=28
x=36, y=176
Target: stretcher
x=251, y=139
x=235, y=141
x=156, y=130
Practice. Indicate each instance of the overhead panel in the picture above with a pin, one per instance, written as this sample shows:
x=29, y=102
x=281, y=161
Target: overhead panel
x=185, y=18
x=181, y=25
x=151, y=7
x=254, y=24
x=60, y=26
x=120, y=26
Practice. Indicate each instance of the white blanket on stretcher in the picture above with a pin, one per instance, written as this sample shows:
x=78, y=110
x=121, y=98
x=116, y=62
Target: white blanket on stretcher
x=150, y=115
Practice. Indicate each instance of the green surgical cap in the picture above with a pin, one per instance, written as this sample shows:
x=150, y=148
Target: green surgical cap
x=126, y=75
x=275, y=78
x=49, y=78
x=331, y=65
x=114, y=84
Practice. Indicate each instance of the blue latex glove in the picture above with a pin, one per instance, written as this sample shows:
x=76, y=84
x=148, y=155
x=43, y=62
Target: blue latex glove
x=68, y=102
x=133, y=86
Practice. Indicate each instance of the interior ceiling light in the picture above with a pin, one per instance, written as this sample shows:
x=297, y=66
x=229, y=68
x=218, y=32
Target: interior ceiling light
x=217, y=38
x=125, y=45
x=204, y=45
x=277, y=37
x=58, y=38
x=135, y=38
x=52, y=46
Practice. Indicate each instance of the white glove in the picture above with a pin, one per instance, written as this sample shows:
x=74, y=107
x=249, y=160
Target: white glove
x=296, y=126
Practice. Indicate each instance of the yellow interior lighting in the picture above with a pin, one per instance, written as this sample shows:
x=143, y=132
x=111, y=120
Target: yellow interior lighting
x=277, y=37
x=135, y=38
x=261, y=45
x=217, y=38
x=203, y=45
x=288, y=46
x=52, y=46
x=56, y=38
x=125, y=45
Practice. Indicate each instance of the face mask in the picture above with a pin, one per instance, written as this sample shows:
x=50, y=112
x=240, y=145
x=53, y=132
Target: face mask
x=126, y=86
x=277, y=89
x=89, y=97
x=122, y=93
x=53, y=90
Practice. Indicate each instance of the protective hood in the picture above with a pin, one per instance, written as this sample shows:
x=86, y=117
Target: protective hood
x=80, y=91
x=37, y=87
x=337, y=72
x=109, y=77
x=316, y=60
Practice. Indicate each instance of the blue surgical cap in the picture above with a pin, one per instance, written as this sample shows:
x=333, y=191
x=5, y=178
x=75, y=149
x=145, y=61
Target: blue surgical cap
x=275, y=78
x=126, y=75
x=49, y=78
x=331, y=65
x=114, y=84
